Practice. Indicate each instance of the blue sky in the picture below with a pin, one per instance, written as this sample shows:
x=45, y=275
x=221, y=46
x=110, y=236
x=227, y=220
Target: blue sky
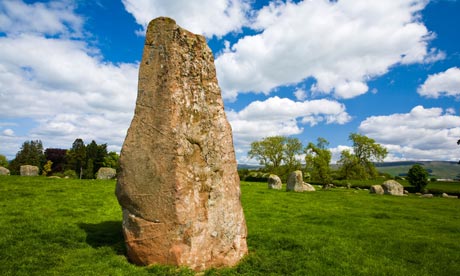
x=307, y=69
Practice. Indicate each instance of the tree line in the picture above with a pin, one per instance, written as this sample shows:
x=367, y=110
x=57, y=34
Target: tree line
x=80, y=161
x=280, y=155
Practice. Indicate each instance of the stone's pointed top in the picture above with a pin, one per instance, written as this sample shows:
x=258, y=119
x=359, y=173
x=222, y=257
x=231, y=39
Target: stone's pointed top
x=162, y=21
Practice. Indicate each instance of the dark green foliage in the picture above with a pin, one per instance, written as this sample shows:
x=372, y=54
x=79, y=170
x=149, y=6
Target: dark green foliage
x=31, y=153
x=418, y=177
x=76, y=157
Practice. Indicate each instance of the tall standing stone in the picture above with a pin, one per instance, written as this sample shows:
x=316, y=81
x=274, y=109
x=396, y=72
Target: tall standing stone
x=178, y=184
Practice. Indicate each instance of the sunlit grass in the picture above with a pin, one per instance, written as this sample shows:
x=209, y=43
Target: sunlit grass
x=73, y=227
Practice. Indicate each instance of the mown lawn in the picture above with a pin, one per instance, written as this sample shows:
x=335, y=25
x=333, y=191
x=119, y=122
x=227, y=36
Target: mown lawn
x=73, y=227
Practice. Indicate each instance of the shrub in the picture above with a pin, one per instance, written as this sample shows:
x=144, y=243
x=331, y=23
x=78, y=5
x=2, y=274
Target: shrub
x=70, y=174
x=418, y=177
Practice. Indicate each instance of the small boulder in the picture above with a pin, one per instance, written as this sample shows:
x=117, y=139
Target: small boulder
x=406, y=192
x=376, y=189
x=28, y=170
x=274, y=182
x=4, y=171
x=295, y=183
x=328, y=186
x=106, y=173
x=444, y=195
x=427, y=195
x=391, y=187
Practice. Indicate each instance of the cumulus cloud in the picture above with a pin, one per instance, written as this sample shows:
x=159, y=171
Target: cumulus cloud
x=421, y=134
x=281, y=116
x=446, y=83
x=60, y=82
x=364, y=39
x=52, y=18
x=218, y=18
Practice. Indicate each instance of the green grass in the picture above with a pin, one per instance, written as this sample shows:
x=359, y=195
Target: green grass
x=73, y=227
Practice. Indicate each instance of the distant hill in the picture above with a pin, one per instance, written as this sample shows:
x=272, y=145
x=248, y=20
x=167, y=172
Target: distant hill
x=437, y=169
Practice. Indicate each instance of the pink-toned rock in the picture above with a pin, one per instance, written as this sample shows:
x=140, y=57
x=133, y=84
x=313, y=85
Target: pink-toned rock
x=178, y=184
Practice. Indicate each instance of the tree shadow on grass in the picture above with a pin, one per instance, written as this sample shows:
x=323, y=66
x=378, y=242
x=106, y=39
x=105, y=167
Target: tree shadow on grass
x=107, y=233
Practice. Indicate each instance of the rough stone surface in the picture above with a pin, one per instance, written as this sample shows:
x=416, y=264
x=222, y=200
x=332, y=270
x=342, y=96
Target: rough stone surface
x=295, y=183
x=28, y=170
x=274, y=182
x=4, y=171
x=376, y=189
x=391, y=187
x=106, y=173
x=448, y=196
x=178, y=185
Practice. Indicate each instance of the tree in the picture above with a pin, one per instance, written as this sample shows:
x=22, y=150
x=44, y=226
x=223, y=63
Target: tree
x=360, y=164
x=76, y=157
x=47, y=168
x=111, y=160
x=269, y=151
x=418, y=177
x=3, y=161
x=58, y=157
x=292, y=148
x=31, y=153
x=317, y=159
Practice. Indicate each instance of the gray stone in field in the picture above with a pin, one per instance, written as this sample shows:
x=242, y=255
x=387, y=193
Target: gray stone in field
x=427, y=195
x=444, y=195
x=4, y=171
x=274, y=182
x=106, y=173
x=376, y=189
x=392, y=187
x=28, y=170
x=295, y=183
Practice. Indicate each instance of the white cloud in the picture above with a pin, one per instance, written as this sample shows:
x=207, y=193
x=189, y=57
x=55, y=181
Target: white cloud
x=446, y=83
x=300, y=94
x=342, y=45
x=421, y=134
x=60, y=83
x=8, y=132
x=206, y=17
x=52, y=18
x=281, y=116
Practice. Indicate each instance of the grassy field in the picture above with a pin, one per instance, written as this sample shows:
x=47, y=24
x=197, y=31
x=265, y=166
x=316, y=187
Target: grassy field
x=73, y=227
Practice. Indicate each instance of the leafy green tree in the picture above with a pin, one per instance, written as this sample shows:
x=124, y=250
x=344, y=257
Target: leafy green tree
x=76, y=157
x=3, y=161
x=317, y=159
x=359, y=165
x=31, y=153
x=95, y=155
x=291, y=149
x=418, y=177
x=349, y=167
x=112, y=160
x=268, y=151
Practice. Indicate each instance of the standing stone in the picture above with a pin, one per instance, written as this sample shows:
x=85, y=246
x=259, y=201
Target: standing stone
x=106, y=173
x=4, y=171
x=178, y=185
x=376, y=189
x=295, y=183
x=391, y=187
x=274, y=182
x=28, y=170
